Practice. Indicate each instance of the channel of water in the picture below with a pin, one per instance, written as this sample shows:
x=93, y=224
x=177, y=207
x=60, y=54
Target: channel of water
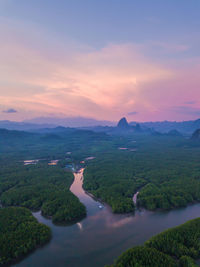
x=102, y=236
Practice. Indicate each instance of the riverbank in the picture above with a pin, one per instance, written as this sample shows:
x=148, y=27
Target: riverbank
x=178, y=246
x=102, y=236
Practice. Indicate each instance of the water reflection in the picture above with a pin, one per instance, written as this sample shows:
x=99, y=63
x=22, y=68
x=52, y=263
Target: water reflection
x=102, y=235
x=91, y=204
x=80, y=226
x=105, y=215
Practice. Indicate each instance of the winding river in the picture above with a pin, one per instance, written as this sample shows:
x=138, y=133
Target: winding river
x=102, y=236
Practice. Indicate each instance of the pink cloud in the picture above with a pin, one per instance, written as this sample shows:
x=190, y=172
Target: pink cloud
x=106, y=83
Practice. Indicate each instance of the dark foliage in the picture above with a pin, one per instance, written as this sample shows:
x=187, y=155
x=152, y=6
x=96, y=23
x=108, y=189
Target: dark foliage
x=176, y=247
x=20, y=233
x=166, y=171
x=41, y=187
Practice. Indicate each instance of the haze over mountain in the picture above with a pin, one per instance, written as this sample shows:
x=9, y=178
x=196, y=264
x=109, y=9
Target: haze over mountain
x=187, y=127
x=71, y=121
x=183, y=127
x=52, y=122
x=23, y=126
x=164, y=127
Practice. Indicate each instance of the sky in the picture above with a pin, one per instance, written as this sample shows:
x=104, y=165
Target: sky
x=100, y=59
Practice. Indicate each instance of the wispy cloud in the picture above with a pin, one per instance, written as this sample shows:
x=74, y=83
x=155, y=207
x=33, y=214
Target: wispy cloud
x=190, y=102
x=187, y=110
x=85, y=82
x=10, y=110
x=170, y=47
x=104, y=83
x=132, y=113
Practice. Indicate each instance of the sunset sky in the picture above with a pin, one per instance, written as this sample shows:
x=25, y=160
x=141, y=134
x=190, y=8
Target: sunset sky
x=100, y=59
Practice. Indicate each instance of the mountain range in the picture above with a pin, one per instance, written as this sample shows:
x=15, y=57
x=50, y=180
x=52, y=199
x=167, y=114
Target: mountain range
x=52, y=122
x=184, y=127
x=71, y=121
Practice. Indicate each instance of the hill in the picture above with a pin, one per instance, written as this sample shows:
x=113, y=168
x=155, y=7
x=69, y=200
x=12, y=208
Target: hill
x=184, y=127
x=196, y=135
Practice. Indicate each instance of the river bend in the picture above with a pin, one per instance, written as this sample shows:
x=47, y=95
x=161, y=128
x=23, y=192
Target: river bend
x=102, y=236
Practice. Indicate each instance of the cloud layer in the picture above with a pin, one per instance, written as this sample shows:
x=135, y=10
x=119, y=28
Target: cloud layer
x=39, y=76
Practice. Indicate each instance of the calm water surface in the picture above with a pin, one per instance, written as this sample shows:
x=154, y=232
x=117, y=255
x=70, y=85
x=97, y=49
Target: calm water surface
x=101, y=236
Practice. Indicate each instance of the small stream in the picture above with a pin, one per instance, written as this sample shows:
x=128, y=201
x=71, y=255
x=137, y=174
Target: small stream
x=102, y=236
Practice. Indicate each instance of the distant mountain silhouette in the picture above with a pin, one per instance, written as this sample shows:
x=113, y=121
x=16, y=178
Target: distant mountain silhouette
x=45, y=124
x=123, y=127
x=123, y=124
x=196, y=135
x=23, y=126
x=183, y=127
x=71, y=121
x=52, y=122
x=138, y=128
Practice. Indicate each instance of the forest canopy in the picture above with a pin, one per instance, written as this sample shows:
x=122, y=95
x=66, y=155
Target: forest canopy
x=41, y=187
x=165, y=170
x=175, y=247
x=20, y=233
